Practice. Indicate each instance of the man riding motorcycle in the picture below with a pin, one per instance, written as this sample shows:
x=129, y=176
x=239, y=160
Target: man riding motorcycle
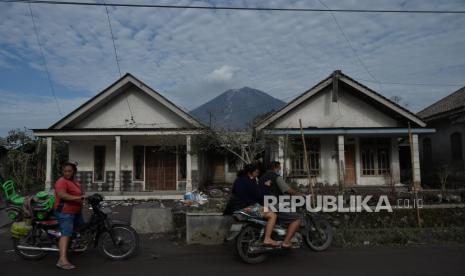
x=277, y=188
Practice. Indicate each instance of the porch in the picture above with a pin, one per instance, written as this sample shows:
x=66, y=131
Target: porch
x=347, y=157
x=132, y=163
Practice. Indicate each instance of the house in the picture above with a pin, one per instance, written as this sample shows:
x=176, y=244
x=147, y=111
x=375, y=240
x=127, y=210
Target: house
x=444, y=148
x=129, y=139
x=352, y=135
x=222, y=156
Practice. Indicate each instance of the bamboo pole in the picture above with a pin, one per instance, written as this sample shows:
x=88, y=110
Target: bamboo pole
x=307, y=165
x=415, y=192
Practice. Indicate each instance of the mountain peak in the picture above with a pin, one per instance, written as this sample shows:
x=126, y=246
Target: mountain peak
x=235, y=109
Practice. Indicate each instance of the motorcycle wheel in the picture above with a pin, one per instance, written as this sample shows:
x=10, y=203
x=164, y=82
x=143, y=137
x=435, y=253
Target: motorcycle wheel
x=319, y=235
x=246, y=237
x=27, y=254
x=127, y=243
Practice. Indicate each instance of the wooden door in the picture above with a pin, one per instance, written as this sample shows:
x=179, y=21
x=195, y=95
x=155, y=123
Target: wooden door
x=350, y=164
x=217, y=168
x=160, y=169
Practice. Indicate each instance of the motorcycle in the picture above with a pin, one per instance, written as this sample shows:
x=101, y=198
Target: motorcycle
x=116, y=240
x=248, y=231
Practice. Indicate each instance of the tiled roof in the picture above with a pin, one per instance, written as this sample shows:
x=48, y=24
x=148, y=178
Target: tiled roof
x=448, y=103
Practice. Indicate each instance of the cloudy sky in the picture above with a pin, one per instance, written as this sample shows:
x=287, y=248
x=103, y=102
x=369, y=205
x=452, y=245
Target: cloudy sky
x=191, y=56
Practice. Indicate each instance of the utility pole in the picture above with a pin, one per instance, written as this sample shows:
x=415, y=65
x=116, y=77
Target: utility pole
x=415, y=192
x=307, y=165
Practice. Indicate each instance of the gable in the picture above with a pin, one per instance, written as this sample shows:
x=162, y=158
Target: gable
x=349, y=111
x=356, y=106
x=127, y=103
x=146, y=112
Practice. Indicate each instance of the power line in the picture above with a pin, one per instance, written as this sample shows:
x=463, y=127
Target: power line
x=112, y=39
x=235, y=8
x=409, y=83
x=131, y=122
x=388, y=83
x=41, y=51
x=350, y=43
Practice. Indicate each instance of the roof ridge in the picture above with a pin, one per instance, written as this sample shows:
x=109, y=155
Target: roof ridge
x=339, y=72
x=138, y=83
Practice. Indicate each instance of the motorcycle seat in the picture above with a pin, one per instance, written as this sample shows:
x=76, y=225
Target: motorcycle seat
x=241, y=215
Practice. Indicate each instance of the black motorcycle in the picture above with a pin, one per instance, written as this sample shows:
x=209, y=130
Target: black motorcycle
x=116, y=240
x=248, y=232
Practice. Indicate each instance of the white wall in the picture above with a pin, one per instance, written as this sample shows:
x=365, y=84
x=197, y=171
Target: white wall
x=329, y=164
x=349, y=111
x=147, y=112
x=83, y=152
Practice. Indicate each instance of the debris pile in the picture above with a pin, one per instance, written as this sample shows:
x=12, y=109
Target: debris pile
x=194, y=199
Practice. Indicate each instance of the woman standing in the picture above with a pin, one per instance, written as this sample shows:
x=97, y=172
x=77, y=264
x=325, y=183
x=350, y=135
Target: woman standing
x=68, y=205
x=248, y=197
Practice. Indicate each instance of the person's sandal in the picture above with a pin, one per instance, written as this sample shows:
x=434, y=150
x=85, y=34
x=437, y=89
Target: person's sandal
x=66, y=266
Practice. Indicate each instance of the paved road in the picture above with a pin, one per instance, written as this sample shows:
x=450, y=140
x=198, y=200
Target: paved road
x=163, y=257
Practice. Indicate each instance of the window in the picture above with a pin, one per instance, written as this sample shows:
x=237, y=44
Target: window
x=368, y=161
x=99, y=163
x=374, y=154
x=298, y=158
x=138, y=162
x=456, y=146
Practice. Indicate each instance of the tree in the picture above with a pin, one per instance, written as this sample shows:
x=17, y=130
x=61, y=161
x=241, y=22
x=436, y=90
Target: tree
x=400, y=101
x=25, y=162
x=443, y=173
x=242, y=144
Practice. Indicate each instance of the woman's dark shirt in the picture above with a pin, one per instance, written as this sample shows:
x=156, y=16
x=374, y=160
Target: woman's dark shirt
x=247, y=192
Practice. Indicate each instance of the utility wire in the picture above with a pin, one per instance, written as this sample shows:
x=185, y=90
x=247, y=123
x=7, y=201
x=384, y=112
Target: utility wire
x=387, y=83
x=350, y=44
x=131, y=122
x=112, y=38
x=409, y=83
x=235, y=8
x=41, y=51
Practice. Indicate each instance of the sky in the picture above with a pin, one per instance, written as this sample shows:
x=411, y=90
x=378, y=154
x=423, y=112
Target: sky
x=191, y=56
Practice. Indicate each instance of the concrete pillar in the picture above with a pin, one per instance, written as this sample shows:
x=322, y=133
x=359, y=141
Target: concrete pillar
x=281, y=154
x=48, y=170
x=416, y=162
x=341, y=159
x=395, y=165
x=188, y=164
x=117, y=186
